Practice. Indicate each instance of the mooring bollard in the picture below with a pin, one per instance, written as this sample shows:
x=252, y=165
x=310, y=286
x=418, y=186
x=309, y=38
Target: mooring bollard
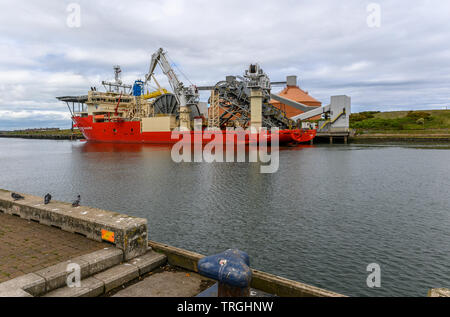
x=232, y=269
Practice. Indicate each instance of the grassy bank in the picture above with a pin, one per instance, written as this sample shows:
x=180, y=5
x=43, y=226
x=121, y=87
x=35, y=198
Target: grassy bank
x=65, y=134
x=402, y=126
x=397, y=123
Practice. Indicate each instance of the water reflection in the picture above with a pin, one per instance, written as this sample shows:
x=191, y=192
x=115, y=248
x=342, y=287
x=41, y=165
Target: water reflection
x=123, y=147
x=144, y=147
x=321, y=219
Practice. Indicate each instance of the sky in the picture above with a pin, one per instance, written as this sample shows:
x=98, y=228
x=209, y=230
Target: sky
x=386, y=55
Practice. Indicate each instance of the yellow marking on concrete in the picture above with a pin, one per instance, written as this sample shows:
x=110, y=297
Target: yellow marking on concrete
x=107, y=235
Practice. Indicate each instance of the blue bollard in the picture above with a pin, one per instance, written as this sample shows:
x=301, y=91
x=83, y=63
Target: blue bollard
x=232, y=269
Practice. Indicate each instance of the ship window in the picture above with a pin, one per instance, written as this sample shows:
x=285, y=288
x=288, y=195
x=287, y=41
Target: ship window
x=114, y=130
x=131, y=129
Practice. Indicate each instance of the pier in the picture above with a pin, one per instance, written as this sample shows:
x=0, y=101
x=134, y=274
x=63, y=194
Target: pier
x=331, y=137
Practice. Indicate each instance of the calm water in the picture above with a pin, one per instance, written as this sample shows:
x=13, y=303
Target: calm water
x=327, y=213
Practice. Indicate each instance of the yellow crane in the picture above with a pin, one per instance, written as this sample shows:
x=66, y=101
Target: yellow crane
x=156, y=93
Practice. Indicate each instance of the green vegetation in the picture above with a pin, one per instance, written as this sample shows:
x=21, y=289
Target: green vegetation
x=409, y=122
x=44, y=133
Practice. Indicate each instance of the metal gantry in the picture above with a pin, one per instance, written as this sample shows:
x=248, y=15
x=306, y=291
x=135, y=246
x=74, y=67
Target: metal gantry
x=214, y=113
x=231, y=101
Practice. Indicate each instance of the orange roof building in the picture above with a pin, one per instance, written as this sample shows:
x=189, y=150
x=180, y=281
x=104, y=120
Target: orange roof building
x=294, y=93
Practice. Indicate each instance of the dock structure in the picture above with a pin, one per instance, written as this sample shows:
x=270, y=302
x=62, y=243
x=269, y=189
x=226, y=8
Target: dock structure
x=335, y=123
x=111, y=254
x=126, y=233
x=331, y=137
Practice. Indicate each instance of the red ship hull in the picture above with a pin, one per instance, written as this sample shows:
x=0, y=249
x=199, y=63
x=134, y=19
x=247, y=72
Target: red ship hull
x=130, y=132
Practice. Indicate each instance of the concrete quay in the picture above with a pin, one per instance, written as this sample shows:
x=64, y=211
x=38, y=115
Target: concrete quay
x=43, y=246
x=27, y=246
x=41, y=242
x=124, y=232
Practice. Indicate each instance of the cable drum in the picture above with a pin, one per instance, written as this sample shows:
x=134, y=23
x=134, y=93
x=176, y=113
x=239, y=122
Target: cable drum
x=168, y=104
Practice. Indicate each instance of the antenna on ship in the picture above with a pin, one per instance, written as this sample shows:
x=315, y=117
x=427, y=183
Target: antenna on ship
x=117, y=84
x=117, y=72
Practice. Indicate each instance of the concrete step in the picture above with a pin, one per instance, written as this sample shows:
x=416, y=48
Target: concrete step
x=90, y=287
x=113, y=277
x=148, y=262
x=56, y=276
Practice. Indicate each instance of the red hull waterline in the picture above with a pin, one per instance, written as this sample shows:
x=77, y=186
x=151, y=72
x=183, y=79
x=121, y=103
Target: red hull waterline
x=130, y=132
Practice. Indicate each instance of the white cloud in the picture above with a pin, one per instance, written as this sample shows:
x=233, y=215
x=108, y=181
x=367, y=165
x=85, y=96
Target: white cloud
x=43, y=115
x=404, y=63
x=356, y=67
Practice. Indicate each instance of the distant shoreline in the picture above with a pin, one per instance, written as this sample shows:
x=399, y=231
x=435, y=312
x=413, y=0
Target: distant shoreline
x=49, y=134
x=380, y=138
x=401, y=126
x=42, y=137
x=371, y=138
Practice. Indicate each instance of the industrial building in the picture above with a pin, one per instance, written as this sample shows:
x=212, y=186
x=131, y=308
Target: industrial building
x=295, y=93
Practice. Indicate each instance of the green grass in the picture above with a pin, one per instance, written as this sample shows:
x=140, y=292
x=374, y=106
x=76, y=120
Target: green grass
x=409, y=122
x=65, y=132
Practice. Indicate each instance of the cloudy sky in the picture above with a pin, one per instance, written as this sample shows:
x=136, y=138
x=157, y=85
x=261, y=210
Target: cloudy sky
x=335, y=47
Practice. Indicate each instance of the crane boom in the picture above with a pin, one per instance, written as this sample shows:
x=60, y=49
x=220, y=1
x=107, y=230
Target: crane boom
x=186, y=96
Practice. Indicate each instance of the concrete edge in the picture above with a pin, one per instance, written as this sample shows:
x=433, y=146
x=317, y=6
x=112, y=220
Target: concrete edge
x=439, y=292
x=17, y=292
x=111, y=278
x=148, y=262
x=30, y=283
x=90, y=287
x=125, y=232
x=117, y=276
x=263, y=281
x=55, y=276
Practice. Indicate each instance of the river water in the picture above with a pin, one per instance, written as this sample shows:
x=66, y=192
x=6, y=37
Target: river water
x=326, y=214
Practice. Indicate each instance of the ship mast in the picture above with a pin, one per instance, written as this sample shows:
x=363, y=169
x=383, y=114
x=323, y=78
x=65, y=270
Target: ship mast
x=117, y=86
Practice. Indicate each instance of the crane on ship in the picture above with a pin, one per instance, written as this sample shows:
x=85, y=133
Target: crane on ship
x=186, y=97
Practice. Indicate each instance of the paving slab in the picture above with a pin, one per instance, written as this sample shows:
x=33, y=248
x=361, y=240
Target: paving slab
x=90, y=287
x=17, y=292
x=56, y=275
x=148, y=262
x=101, y=260
x=165, y=284
x=27, y=246
x=117, y=276
x=30, y=283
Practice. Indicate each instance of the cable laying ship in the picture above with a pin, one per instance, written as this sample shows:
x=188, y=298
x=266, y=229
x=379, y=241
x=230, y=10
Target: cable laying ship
x=239, y=108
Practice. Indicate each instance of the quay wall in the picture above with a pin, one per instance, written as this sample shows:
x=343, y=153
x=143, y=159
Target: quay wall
x=124, y=232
